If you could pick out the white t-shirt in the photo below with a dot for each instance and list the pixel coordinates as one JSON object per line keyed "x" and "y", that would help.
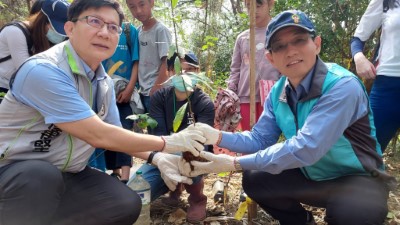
{"x": 389, "y": 51}
{"x": 12, "y": 42}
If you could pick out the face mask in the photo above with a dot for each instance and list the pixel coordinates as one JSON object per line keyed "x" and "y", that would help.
{"x": 177, "y": 82}
{"x": 54, "y": 37}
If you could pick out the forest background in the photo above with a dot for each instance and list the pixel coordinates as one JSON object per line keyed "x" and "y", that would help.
{"x": 210, "y": 27}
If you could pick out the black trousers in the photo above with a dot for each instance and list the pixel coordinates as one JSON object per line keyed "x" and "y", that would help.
{"x": 349, "y": 200}
{"x": 35, "y": 192}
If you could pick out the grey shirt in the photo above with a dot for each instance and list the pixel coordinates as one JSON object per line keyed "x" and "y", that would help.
{"x": 154, "y": 45}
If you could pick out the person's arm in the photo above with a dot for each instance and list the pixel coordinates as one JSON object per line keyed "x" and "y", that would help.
{"x": 163, "y": 40}
{"x": 364, "y": 67}
{"x": 345, "y": 102}
{"x": 236, "y": 64}
{"x": 370, "y": 21}
{"x": 58, "y": 101}
{"x": 103, "y": 135}
{"x": 162, "y": 75}
{"x": 125, "y": 95}
{"x": 17, "y": 45}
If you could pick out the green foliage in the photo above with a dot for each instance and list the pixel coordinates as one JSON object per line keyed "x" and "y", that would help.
{"x": 143, "y": 120}
{"x": 335, "y": 22}
{"x": 179, "y": 117}
{"x": 13, "y": 10}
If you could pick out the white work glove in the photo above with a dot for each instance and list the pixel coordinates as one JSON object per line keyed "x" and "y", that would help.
{"x": 185, "y": 140}
{"x": 168, "y": 165}
{"x": 217, "y": 164}
{"x": 210, "y": 133}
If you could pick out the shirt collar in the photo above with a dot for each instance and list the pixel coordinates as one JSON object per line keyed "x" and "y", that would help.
{"x": 303, "y": 88}
{"x": 78, "y": 66}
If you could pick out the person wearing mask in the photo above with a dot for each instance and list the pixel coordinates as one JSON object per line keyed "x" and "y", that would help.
{"x": 18, "y": 42}
{"x": 165, "y": 104}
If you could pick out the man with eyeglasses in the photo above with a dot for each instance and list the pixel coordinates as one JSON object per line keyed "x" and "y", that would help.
{"x": 60, "y": 106}
{"x": 330, "y": 158}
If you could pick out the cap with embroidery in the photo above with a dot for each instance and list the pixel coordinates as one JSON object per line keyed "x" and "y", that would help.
{"x": 56, "y": 12}
{"x": 285, "y": 19}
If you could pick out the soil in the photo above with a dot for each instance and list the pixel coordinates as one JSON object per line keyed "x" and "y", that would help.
{"x": 224, "y": 213}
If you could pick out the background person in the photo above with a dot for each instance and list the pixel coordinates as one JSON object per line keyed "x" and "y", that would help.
{"x": 239, "y": 78}
{"x": 154, "y": 39}
{"x": 43, "y": 29}
{"x": 385, "y": 91}
{"x": 165, "y": 104}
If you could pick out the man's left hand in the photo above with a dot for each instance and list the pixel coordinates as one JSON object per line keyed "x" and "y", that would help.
{"x": 217, "y": 164}
{"x": 168, "y": 165}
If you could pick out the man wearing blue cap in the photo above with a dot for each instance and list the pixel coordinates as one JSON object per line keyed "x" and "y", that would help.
{"x": 330, "y": 158}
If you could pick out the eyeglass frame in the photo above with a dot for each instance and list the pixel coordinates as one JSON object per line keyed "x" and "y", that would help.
{"x": 310, "y": 36}
{"x": 119, "y": 32}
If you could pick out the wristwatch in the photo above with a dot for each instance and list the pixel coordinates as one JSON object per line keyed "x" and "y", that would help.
{"x": 237, "y": 165}
{"x": 151, "y": 156}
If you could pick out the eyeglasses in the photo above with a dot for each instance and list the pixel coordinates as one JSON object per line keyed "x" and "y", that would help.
{"x": 299, "y": 41}
{"x": 99, "y": 24}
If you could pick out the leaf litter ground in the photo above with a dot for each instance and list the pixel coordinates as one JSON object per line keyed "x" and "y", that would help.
{"x": 219, "y": 213}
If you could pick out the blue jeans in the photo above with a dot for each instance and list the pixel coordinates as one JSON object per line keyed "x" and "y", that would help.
{"x": 146, "y": 102}
{"x": 385, "y": 95}
{"x": 152, "y": 175}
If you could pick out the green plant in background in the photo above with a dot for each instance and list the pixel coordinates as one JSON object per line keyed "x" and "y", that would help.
{"x": 143, "y": 121}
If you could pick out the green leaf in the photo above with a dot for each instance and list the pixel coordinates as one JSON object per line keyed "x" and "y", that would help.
{"x": 177, "y": 65}
{"x": 143, "y": 120}
{"x": 179, "y": 117}
{"x": 171, "y": 51}
{"x": 133, "y": 117}
{"x": 188, "y": 82}
{"x": 174, "y": 3}
{"x": 152, "y": 123}
{"x": 223, "y": 174}
{"x": 142, "y": 124}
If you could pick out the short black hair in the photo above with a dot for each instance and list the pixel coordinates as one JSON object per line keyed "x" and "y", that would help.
{"x": 79, "y": 6}
{"x": 171, "y": 61}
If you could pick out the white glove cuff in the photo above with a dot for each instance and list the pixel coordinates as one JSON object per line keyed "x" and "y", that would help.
{"x": 156, "y": 158}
